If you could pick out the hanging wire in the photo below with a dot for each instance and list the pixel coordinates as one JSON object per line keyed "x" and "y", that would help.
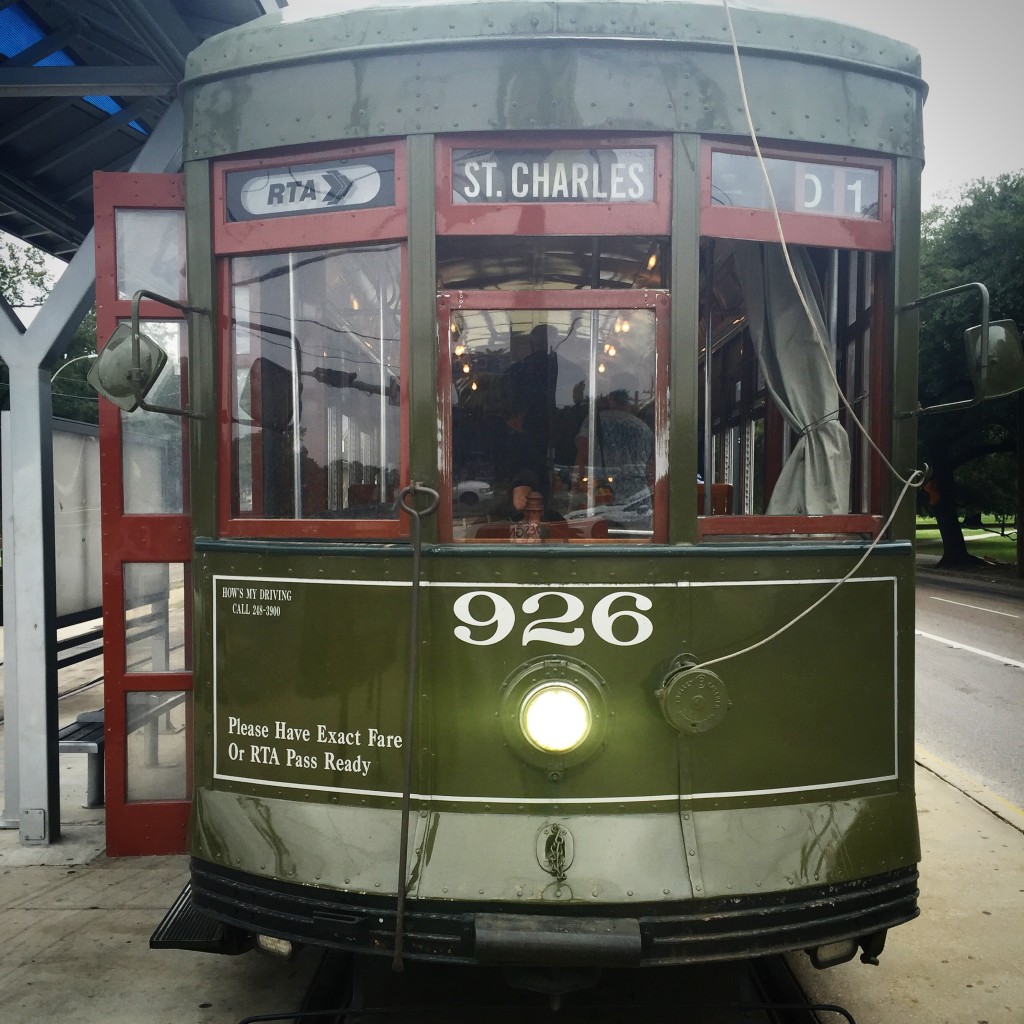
{"x": 915, "y": 479}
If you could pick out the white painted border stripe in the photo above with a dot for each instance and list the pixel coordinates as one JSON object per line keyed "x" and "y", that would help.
{"x": 575, "y": 801}
{"x": 616, "y": 585}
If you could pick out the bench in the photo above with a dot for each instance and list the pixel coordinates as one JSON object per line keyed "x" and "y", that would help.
{"x": 85, "y": 735}
{"x": 81, "y": 647}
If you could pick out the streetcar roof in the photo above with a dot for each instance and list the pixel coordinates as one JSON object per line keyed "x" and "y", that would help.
{"x": 362, "y": 27}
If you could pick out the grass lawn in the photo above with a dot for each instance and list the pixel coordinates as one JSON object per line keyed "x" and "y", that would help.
{"x": 984, "y": 543}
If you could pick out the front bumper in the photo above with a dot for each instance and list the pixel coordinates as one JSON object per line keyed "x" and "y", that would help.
{"x": 652, "y": 934}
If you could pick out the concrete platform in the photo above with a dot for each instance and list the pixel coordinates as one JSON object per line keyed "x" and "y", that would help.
{"x": 75, "y": 925}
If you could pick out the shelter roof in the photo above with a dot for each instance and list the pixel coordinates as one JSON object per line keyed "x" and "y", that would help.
{"x": 83, "y": 83}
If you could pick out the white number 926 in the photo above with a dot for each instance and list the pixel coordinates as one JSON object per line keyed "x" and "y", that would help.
{"x": 623, "y": 627}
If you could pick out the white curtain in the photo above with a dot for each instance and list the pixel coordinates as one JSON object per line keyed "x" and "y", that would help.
{"x": 815, "y": 479}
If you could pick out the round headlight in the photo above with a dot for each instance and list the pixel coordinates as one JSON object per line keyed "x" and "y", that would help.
{"x": 555, "y": 717}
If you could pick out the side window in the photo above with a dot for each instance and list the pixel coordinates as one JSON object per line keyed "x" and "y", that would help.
{"x": 790, "y": 346}
{"x": 781, "y": 441}
{"x": 316, "y": 375}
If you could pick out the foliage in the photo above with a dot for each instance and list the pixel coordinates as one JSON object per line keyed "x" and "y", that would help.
{"x": 978, "y": 238}
{"x": 73, "y": 396}
{"x": 25, "y": 279}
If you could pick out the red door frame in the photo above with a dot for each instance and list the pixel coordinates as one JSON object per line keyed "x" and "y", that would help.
{"x": 151, "y": 827}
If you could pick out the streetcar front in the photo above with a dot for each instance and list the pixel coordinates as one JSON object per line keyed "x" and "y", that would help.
{"x": 552, "y": 587}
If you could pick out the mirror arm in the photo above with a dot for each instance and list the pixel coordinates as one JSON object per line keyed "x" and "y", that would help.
{"x": 135, "y": 373}
{"x": 966, "y": 403}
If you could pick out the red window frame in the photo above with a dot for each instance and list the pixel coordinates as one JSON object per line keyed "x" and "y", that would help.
{"x": 554, "y": 218}
{"x": 553, "y": 299}
{"x": 834, "y": 232}
{"x": 335, "y": 230}
{"x": 140, "y": 826}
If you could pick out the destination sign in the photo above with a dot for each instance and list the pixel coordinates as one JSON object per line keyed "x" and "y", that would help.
{"x": 799, "y": 186}
{"x": 342, "y": 185}
{"x": 600, "y": 175}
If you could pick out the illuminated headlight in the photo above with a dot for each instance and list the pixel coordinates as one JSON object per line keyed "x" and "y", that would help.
{"x": 555, "y": 717}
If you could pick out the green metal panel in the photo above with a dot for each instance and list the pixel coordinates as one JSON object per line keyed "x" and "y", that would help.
{"x": 369, "y": 26}
{"x": 475, "y": 857}
{"x": 666, "y": 66}
{"x": 811, "y": 709}
{"x": 421, "y": 314}
{"x": 683, "y": 367}
{"x": 305, "y": 696}
{"x": 204, "y": 370}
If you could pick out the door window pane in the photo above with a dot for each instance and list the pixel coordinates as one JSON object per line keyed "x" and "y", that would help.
{"x": 155, "y": 594}
{"x": 154, "y": 445}
{"x": 316, "y": 348}
{"x": 155, "y": 749}
{"x": 151, "y": 252}
{"x": 560, "y": 404}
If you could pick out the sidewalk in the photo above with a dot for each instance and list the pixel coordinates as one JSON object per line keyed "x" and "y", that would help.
{"x": 75, "y": 925}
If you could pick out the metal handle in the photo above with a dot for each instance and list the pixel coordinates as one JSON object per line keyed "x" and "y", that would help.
{"x": 416, "y": 515}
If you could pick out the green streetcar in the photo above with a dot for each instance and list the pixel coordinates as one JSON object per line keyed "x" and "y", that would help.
{"x": 552, "y": 589}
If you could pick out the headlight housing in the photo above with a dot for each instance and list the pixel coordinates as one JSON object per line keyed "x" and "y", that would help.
{"x": 554, "y": 713}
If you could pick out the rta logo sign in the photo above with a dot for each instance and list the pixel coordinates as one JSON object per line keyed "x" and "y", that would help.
{"x": 311, "y": 188}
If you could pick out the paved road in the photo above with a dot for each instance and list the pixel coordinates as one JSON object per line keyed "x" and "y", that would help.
{"x": 970, "y": 683}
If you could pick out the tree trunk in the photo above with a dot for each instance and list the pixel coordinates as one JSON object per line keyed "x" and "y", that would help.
{"x": 954, "y": 548}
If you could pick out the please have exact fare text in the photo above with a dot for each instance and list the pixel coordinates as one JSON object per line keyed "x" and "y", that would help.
{"x": 340, "y": 750}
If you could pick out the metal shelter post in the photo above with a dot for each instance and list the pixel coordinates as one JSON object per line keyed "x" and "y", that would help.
{"x": 9, "y": 816}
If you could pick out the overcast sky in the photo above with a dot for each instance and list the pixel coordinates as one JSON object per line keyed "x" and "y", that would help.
{"x": 971, "y": 60}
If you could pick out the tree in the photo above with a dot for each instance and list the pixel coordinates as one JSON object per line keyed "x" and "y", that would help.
{"x": 979, "y": 238}
{"x": 73, "y": 396}
{"x": 26, "y": 278}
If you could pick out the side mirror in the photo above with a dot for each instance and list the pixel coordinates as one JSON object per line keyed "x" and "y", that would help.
{"x": 993, "y": 350}
{"x": 130, "y": 363}
{"x": 118, "y": 378}
{"x": 998, "y": 368}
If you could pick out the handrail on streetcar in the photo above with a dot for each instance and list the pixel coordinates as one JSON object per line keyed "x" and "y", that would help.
{"x": 981, "y": 374}
{"x": 127, "y": 386}
{"x": 416, "y": 515}
{"x": 135, "y": 374}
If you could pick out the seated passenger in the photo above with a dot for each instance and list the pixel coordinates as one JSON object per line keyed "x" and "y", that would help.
{"x": 624, "y": 448}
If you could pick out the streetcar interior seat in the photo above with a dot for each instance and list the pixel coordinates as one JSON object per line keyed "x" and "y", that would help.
{"x": 594, "y": 529}
{"x": 363, "y": 494}
{"x": 721, "y": 499}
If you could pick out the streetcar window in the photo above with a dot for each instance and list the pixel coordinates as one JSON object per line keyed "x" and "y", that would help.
{"x": 315, "y": 342}
{"x": 559, "y": 403}
{"x": 781, "y": 441}
{"x": 552, "y": 262}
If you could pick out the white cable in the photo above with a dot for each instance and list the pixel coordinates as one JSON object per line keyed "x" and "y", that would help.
{"x": 914, "y": 481}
